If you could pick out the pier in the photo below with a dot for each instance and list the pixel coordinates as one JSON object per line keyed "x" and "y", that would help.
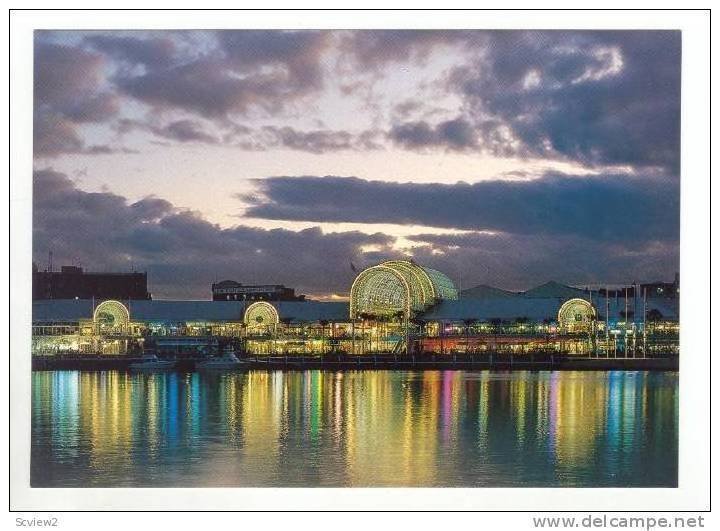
{"x": 486, "y": 361}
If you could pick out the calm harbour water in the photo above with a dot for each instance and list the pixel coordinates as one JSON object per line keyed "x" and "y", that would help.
{"x": 355, "y": 429}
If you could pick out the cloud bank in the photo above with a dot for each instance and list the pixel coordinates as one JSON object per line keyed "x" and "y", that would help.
{"x": 184, "y": 253}
{"x": 597, "y": 98}
{"x": 609, "y": 208}
{"x": 596, "y": 114}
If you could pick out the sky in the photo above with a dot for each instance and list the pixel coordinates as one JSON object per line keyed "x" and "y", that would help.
{"x": 507, "y": 158}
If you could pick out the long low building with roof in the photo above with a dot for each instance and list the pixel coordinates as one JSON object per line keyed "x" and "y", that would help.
{"x": 396, "y": 306}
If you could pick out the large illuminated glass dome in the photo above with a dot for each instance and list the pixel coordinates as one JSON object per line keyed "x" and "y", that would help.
{"x": 398, "y": 287}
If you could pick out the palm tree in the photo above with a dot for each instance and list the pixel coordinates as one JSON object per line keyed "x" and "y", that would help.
{"x": 400, "y": 316}
{"x": 468, "y": 323}
{"x": 286, "y": 323}
{"x": 323, "y": 324}
{"x": 420, "y": 323}
{"x": 364, "y": 317}
{"x": 654, "y": 315}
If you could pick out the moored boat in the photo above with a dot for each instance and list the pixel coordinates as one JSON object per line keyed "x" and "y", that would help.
{"x": 150, "y": 362}
{"x": 227, "y": 361}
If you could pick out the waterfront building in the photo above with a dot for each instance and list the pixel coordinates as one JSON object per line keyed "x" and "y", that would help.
{"x": 71, "y": 282}
{"x": 229, "y": 290}
{"x": 395, "y": 307}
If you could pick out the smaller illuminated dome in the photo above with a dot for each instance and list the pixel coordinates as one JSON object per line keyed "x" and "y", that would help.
{"x": 576, "y": 315}
{"x": 111, "y": 316}
{"x": 261, "y": 315}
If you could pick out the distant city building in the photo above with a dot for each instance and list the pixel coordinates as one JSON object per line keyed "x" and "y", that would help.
{"x": 71, "y": 282}
{"x": 229, "y": 290}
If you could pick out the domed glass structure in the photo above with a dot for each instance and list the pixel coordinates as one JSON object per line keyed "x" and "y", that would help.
{"x": 576, "y": 315}
{"x": 111, "y": 316}
{"x": 260, "y": 316}
{"x": 398, "y": 288}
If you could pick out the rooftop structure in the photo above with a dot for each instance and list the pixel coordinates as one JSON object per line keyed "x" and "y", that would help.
{"x": 71, "y": 282}
{"x": 229, "y": 290}
{"x": 158, "y": 311}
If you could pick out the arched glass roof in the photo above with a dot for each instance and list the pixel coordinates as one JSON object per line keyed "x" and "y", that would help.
{"x": 576, "y": 314}
{"x": 261, "y": 314}
{"x": 111, "y": 314}
{"x": 111, "y": 310}
{"x": 398, "y": 287}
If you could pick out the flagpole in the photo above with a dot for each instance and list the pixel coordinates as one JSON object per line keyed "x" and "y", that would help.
{"x": 607, "y": 323}
{"x": 645, "y": 323}
{"x": 635, "y": 301}
{"x": 625, "y": 323}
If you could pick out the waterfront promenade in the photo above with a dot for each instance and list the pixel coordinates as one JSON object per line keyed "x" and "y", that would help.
{"x": 386, "y": 361}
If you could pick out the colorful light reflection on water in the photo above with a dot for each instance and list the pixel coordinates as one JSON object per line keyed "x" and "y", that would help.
{"x": 355, "y": 429}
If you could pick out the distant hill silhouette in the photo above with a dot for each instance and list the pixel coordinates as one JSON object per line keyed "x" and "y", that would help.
{"x": 484, "y": 291}
{"x": 553, "y": 289}
{"x": 549, "y": 290}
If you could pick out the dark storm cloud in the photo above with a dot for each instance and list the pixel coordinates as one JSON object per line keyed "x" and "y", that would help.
{"x": 151, "y": 52}
{"x": 318, "y": 141}
{"x": 185, "y": 131}
{"x": 592, "y": 97}
{"x": 240, "y": 71}
{"x": 598, "y": 97}
{"x": 373, "y": 49}
{"x": 251, "y": 70}
{"x": 519, "y": 262}
{"x": 182, "y": 252}
{"x": 612, "y": 208}
{"x": 68, "y": 93}
{"x": 55, "y": 135}
{"x": 236, "y": 71}
{"x": 210, "y": 88}
{"x": 181, "y": 131}
{"x": 205, "y": 87}
{"x": 64, "y": 75}
{"x": 298, "y": 51}
{"x": 455, "y": 134}
{"x": 95, "y": 108}
{"x": 315, "y": 141}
